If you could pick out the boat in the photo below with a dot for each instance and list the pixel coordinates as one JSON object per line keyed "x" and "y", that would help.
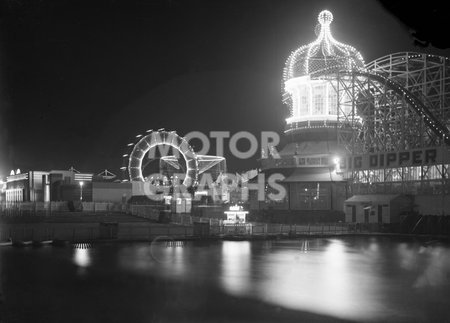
{"x": 21, "y": 243}
{"x": 6, "y": 243}
{"x": 38, "y": 243}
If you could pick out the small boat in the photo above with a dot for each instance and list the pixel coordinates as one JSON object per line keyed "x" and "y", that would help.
{"x": 47, "y": 242}
{"x": 20, "y": 243}
{"x": 6, "y": 243}
{"x": 38, "y": 243}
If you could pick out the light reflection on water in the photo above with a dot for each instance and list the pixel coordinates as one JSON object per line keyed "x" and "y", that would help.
{"x": 235, "y": 269}
{"x": 437, "y": 266}
{"x": 363, "y": 279}
{"x": 82, "y": 257}
{"x": 322, "y": 281}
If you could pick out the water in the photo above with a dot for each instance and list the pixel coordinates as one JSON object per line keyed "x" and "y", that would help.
{"x": 323, "y": 280}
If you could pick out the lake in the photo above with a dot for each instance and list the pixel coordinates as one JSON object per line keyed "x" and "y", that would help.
{"x": 348, "y": 279}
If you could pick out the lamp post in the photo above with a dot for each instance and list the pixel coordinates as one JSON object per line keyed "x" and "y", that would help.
{"x": 81, "y": 191}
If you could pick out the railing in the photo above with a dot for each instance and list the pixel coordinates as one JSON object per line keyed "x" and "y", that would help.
{"x": 146, "y": 231}
{"x": 283, "y": 229}
{"x": 49, "y": 208}
{"x": 76, "y": 232}
{"x": 145, "y": 211}
{"x": 92, "y": 232}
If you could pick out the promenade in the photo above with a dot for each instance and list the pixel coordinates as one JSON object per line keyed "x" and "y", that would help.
{"x": 84, "y": 227}
{"x": 81, "y": 227}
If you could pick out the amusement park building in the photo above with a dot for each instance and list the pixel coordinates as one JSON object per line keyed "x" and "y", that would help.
{"x": 354, "y": 129}
{"x": 46, "y": 186}
{"x": 64, "y": 185}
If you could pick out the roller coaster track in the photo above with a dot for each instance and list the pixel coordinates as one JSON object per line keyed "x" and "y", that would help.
{"x": 438, "y": 128}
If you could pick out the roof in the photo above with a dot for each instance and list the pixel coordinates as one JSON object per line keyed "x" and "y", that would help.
{"x": 313, "y": 175}
{"x": 371, "y": 198}
{"x": 325, "y": 55}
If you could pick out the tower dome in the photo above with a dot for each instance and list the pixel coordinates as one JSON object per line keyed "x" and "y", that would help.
{"x": 325, "y": 55}
{"x": 311, "y": 99}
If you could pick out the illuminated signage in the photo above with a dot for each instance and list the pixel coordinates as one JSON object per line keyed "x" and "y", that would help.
{"x": 417, "y": 157}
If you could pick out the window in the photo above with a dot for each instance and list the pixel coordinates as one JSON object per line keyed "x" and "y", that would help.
{"x": 332, "y": 102}
{"x": 304, "y": 106}
{"x": 318, "y": 96}
{"x": 318, "y": 104}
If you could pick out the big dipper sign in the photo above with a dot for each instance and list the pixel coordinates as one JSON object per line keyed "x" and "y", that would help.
{"x": 417, "y": 157}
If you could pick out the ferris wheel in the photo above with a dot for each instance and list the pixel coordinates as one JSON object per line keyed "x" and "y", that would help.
{"x": 139, "y": 154}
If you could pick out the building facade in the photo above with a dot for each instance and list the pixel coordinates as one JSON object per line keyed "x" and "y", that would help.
{"x": 46, "y": 186}
{"x": 359, "y": 132}
{"x": 310, "y": 159}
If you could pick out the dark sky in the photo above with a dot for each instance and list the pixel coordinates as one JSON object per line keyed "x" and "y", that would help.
{"x": 79, "y": 79}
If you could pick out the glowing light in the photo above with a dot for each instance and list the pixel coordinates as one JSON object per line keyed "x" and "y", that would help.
{"x": 325, "y": 17}
{"x": 235, "y": 275}
{"x": 291, "y": 282}
{"x": 82, "y": 257}
{"x": 323, "y": 56}
{"x": 81, "y": 190}
{"x": 235, "y": 215}
{"x": 324, "y": 52}
{"x": 162, "y": 138}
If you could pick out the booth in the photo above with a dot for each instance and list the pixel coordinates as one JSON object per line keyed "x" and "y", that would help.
{"x": 235, "y": 215}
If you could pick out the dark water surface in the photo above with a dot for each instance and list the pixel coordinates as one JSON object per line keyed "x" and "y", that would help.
{"x": 360, "y": 279}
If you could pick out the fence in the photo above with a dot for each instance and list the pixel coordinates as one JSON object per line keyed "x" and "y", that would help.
{"x": 77, "y": 232}
{"x": 146, "y": 211}
{"x": 48, "y": 208}
{"x": 256, "y": 229}
{"x": 95, "y": 232}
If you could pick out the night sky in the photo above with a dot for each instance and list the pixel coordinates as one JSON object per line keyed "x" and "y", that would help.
{"x": 80, "y": 79}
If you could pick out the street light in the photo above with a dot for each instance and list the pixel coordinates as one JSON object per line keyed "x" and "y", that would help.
{"x": 81, "y": 191}
{"x": 337, "y": 164}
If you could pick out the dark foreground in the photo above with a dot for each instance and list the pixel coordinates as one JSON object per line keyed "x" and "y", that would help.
{"x": 355, "y": 279}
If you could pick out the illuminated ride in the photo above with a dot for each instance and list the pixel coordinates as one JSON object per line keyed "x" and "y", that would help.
{"x": 324, "y": 80}
{"x": 211, "y": 170}
{"x": 180, "y": 163}
{"x": 397, "y": 102}
{"x": 135, "y": 159}
{"x": 370, "y": 125}
{"x": 397, "y": 107}
{"x": 214, "y": 165}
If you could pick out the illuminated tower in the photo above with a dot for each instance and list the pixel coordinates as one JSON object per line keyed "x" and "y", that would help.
{"x": 312, "y": 99}
{"x": 310, "y": 159}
